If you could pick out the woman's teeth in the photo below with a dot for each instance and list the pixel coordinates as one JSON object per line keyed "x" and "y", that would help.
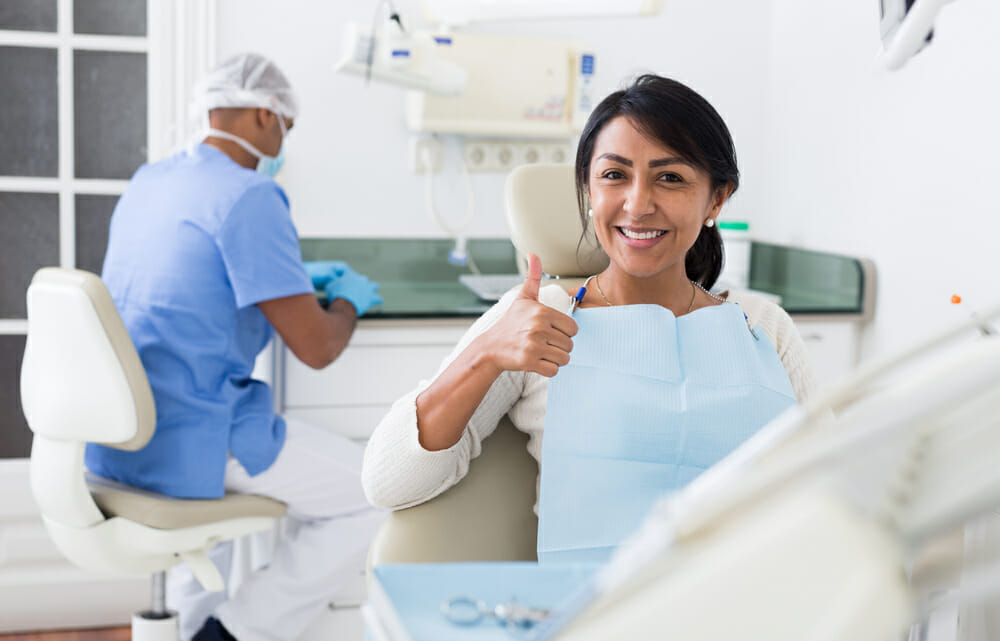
{"x": 641, "y": 235}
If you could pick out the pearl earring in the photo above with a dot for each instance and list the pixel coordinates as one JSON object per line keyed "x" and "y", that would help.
{"x": 710, "y": 222}
{"x": 590, "y": 213}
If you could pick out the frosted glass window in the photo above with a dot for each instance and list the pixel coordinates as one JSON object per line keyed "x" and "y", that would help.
{"x": 15, "y": 437}
{"x": 93, "y": 214}
{"x": 29, "y": 125}
{"x": 110, "y": 17}
{"x": 109, "y": 90}
{"x": 29, "y": 238}
{"x": 28, "y": 15}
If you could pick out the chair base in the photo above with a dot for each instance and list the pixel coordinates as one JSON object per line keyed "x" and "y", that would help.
{"x": 150, "y": 626}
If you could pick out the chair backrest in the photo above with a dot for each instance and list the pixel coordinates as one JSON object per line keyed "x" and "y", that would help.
{"x": 488, "y": 516}
{"x": 543, "y": 218}
{"x": 81, "y": 381}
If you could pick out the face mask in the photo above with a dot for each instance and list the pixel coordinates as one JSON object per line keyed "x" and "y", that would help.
{"x": 271, "y": 165}
{"x": 267, "y": 165}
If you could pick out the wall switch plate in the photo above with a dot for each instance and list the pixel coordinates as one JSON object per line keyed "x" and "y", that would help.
{"x": 422, "y": 147}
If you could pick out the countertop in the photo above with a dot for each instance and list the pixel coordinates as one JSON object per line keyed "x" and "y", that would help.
{"x": 417, "y": 281}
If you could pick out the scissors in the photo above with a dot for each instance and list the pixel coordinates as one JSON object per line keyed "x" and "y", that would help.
{"x": 467, "y": 610}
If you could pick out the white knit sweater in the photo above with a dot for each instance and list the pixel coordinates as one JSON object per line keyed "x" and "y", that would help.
{"x": 398, "y": 472}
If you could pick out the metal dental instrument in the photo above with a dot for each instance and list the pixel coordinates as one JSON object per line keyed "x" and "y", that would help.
{"x": 467, "y": 610}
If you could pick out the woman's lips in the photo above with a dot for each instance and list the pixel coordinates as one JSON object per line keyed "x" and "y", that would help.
{"x": 639, "y": 237}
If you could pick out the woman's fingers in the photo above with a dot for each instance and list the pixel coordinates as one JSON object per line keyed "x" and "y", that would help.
{"x": 560, "y": 341}
{"x": 533, "y": 281}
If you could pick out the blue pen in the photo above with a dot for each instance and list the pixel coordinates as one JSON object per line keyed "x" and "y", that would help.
{"x": 580, "y": 293}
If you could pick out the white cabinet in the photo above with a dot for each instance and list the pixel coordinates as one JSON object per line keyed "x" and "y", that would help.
{"x": 384, "y": 360}
{"x": 832, "y": 346}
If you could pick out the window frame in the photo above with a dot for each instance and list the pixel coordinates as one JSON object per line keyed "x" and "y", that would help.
{"x": 180, "y": 43}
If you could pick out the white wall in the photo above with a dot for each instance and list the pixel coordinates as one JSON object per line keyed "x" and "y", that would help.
{"x": 347, "y": 170}
{"x": 837, "y": 153}
{"x": 900, "y": 166}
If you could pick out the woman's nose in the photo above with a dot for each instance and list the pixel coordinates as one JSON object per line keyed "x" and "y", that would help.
{"x": 639, "y": 199}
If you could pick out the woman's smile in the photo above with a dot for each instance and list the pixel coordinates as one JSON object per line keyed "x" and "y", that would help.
{"x": 640, "y": 237}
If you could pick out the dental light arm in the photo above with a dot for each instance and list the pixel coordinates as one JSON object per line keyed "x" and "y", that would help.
{"x": 406, "y": 59}
{"x": 907, "y": 27}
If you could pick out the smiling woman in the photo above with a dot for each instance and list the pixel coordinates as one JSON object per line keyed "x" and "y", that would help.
{"x": 657, "y": 377}
{"x": 657, "y": 163}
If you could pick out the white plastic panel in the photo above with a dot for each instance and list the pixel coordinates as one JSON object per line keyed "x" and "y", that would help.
{"x": 69, "y": 357}
{"x": 517, "y": 86}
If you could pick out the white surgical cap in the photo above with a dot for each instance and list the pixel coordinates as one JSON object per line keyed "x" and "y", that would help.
{"x": 246, "y": 80}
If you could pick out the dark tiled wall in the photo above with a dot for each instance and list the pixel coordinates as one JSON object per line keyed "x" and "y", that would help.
{"x": 109, "y": 113}
{"x": 28, "y": 15}
{"x": 15, "y": 437}
{"x": 93, "y": 215}
{"x": 110, "y": 17}
{"x": 29, "y": 238}
{"x": 29, "y": 116}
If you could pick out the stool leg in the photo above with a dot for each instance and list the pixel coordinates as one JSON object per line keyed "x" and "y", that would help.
{"x": 158, "y": 590}
{"x": 157, "y": 623}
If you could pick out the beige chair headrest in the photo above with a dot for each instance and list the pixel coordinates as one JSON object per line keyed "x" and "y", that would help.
{"x": 543, "y": 219}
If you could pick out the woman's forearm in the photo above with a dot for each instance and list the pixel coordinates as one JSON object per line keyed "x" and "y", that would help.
{"x": 448, "y": 403}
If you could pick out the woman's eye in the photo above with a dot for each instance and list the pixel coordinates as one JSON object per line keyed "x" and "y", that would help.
{"x": 613, "y": 174}
{"x": 671, "y": 178}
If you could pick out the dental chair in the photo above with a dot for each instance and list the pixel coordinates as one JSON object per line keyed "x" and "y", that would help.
{"x": 489, "y": 515}
{"x": 82, "y": 381}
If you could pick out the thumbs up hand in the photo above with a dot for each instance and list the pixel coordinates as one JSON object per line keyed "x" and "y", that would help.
{"x": 530, "y": 336}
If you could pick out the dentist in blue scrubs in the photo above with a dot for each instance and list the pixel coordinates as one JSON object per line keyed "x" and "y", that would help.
{"x": 204, "y": 266}
{"x": 631, "y": 387}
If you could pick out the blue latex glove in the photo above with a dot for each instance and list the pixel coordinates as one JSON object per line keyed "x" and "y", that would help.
{"x": 355, "y": 288}
{"x": 323, "y": 271}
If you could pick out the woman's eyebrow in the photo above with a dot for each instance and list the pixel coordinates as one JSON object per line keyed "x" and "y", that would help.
{"x": 673, "y": 160}
{"x": 615, "y": 158}
{"x": 659, "y": 162}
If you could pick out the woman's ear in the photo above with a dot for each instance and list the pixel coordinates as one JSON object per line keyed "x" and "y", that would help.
{"x": 720, "y": 197}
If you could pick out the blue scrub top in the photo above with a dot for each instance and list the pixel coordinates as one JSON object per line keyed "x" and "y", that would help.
{"x": 196, "y": 241}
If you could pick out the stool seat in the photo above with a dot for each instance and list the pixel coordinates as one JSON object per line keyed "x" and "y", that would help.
{"x": 163, "y": 512}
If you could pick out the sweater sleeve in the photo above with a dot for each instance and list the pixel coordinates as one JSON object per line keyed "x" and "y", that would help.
{"x": 398, "y": 472}
{"x": 781, "y": 330}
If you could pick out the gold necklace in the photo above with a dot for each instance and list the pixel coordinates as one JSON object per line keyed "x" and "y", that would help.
{"x": 600, "y": 291}
{"x": 694, "y": 289}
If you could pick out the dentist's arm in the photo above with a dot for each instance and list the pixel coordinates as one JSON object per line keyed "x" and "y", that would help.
{"x": 530, "y": 337}
{"x": 316, "y": 336}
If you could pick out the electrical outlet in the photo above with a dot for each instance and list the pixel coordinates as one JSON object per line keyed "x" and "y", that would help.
{"x": 531, "y": 154}
{"x": 423, "y": 148}
{"x": 504, "y": 156}
{"x": 476, "y": 154}
{"x": 558, "y": 152}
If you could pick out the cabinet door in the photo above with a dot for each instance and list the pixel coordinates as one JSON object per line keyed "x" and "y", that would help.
{"x": 832, "y": 347}
{"x": 383, "y": 361}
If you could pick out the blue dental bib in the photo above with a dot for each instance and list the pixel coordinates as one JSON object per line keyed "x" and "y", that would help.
{"x": 647, "y": 402}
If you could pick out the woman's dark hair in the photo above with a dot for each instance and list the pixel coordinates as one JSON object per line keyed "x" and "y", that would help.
{"x": 679, "y": 118}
